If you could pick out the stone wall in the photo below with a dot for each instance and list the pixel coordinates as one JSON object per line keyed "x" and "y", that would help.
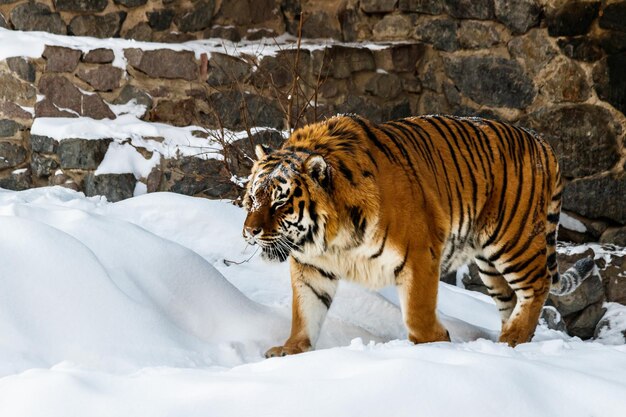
{"x": 554, "y": 66}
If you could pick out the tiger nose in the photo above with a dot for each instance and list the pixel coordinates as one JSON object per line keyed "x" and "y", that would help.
{"x": 253, "y": 231}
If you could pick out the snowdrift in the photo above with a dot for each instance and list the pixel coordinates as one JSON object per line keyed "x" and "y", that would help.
{"x": 154, "y": 306}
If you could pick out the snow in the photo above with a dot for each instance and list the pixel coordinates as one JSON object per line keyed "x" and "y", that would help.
{"x": 570, "y": 223}
{"x": 129, "y": 308}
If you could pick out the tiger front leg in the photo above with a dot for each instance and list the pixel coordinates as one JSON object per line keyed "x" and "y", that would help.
{"x": 417, "y": 283}
{"x": 313, "y": 293}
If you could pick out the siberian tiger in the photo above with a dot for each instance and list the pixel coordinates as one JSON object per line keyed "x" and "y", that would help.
{"x": 400, "y": 203}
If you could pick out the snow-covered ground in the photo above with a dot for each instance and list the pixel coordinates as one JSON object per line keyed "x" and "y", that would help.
{"x": 154, "y": 306}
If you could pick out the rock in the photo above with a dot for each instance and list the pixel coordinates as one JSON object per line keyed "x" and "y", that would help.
{"x": 61, "y": 59}
{"x": 491, "y": 81}
{"x": 205, "y": 177}
{"x": 223, "y": 32}
{"x": 256, "y": 34}
{"x": 14, "y": 90}
{"x": 37, "y": 16}
{"x": 342, "y": 61}
{"x": 584, "y": 324}
{"x": 62, "y": 94}
{"x": 140, "y": 32}
{"x": 583, "y": 136}
{"x": 615, "y": 279}
{"x": 393, "y": 27}
{"x": 105, "y": 26}
{"x": 387, "y": 86}
{"x": 82, "y": 153}
{"x": 533, "y": 49}
{"x": 23, "y": 68}
{"x": 3, "y": 22}
{"x": 8, "y": 128}
{"x": 581, "y": 48}
{"x": 46, "y": 108}
{"x": 378, "y": 6}
{"x": 102, "y": 78}
{"x": 572, "y": 18}
{"x": 131, "y": 3}
{"x": 175, "y": 112}
{"x": 231, "y": 106}
{"x": 160, "y": 19}
{"x": 400, "y": 58}
{"x": 441, "y": 33}
{"x": 471, "y": 281}
{"x": 130, "y": 92}
{"x": 164, "y": 63}
{"x": 616, "y": 236}
{"x": 80, "y": 5}
{"x": 470, "y": 9}
{"x": 596, "y": 197}
{"x": 613, "y": 327}
{"x": 590, "y": 291}
{"x": 246, "y": 12}
{"x": 115, "y": 187}
{"x": 42, "y": 166}
{"x": 552, "y": 318}
{"x": 321, "y": 25}
{"x": 614, "y": 16}
{"x": 43, "y": 144}
{"x": 518, "y": 16}
{"x": 12, "y": 155}
{"x": 476, "y": 35}
{"x": 578, "y": 229}
{"x": 13, "y": 111}
{"x": 173, "y": 37}
{"x": 154, "y": 180}
{"x": 566, "y": 81}
{"x": 240, "y": 154}
{"x": 99, "y": 56}
{"x": 363, "y": 106}
{"x": 196, "y": 19}
{"x": 225, "y": 69}
{"x": 610, "y": 80}
{"x": 278, "y": 70}
{"x": 613, "y": 42}
{"x": 18, "y": 180}
{"x": 422, "y": 6}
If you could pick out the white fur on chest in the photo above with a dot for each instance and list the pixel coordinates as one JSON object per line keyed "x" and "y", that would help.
{"x": 358, "y": 264}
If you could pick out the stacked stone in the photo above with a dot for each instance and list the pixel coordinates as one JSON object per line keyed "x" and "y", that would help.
{"x": 171, "y": 21}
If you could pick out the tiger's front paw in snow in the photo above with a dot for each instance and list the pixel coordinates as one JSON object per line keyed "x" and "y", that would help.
{"x": 287, "y": 350}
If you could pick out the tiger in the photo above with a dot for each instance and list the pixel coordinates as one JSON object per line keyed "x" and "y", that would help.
{"x": 403, "y": 202}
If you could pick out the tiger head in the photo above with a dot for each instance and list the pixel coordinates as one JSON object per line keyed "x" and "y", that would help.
{"x": 285, "y": 197}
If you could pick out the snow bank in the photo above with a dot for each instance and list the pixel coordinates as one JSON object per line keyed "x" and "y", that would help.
{"x": 130, "y": 309}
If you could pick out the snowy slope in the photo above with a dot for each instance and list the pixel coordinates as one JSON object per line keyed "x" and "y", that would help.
{"x": 129, "y": 309}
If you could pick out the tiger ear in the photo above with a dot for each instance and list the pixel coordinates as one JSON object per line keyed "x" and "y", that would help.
{"x": 316, "y": 167}
{"x": 262, "y": 151}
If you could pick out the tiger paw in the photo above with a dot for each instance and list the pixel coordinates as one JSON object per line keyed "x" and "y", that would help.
{"x": 286, "y": 350}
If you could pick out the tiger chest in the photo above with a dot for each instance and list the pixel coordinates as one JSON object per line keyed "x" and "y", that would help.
{"x": 359, "y": 265}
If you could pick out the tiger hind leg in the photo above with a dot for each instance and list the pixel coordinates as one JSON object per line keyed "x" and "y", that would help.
{"x": 502, "y": 294}
{"x": 531, "y": 286}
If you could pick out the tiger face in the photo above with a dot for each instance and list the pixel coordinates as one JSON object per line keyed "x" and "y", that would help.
{"x": 282, "y": 215}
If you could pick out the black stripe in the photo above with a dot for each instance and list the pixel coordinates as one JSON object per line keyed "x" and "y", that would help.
{"x": 553, "y": 218}
{"x": 372, "y": 137}
{"x": 382, "y": 246}
{"x": 359, "y": 222}
{"x": 346, "y": 172}
{"x": 322, "y": 296}
{"x": 551, "y": 238}
{"x": 400, "y": 267}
